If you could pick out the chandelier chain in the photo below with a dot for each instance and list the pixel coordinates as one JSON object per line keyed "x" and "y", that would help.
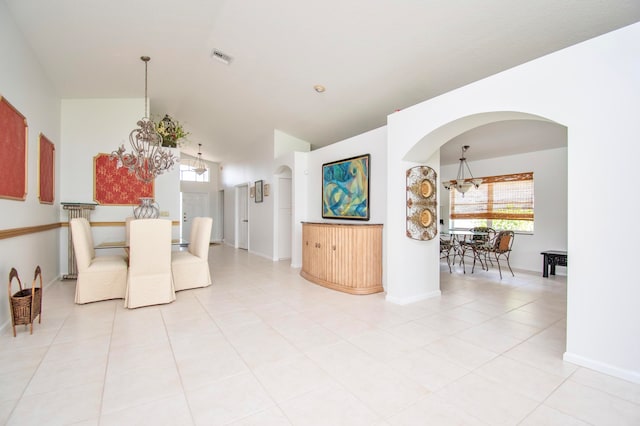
{"x": 147, "y": 159}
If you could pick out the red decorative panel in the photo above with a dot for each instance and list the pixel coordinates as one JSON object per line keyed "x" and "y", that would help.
{"x": 117, "y": 187}
{"x": 46, "y": 173}
{"x": 13, "y": 146}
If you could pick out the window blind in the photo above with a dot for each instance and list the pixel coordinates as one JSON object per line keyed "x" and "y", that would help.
{"x": 498, "y": 197}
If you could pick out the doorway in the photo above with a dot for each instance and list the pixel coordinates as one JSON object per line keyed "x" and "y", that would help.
{"x": 242, "y": 217}
{"x": 193, "y": 204}
{"x": 284, "y": 218}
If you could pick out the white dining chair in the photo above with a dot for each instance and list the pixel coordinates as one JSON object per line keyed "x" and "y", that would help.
{"x": 99, "y": 277}
{"x": 190, "y": 268}
{"x": 149, "y": 280}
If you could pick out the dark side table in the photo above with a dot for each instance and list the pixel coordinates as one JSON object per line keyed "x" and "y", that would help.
{"x": 551, "y": 259}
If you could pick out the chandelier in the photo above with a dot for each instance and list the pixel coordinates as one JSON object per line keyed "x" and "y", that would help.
{"x": 462, "y": 184}
{"x": 200, "y": 167}
{"x": 147, "y": 159}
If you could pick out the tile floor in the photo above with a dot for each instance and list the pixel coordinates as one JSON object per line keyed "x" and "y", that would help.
{"x": 262, "y": 346}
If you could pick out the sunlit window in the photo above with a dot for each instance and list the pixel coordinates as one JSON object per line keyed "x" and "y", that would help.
{"x": 188, "y": 175}
{"x": 502, "y": 203}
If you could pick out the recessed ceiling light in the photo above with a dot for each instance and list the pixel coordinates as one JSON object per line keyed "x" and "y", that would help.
{"x": 319, "y": 88}
{"x": 221, "y": 56}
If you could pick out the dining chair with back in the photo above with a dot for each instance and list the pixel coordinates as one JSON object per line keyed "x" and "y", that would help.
{"x": 477, "y": 244}
{"x": 190, "y": 267}
{"x": 149, "y": 281}
{"x": 501, "y": 249}
{"x": 99, "y": 277}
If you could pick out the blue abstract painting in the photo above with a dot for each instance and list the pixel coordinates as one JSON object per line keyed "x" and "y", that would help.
{"x": 345, "y": 188}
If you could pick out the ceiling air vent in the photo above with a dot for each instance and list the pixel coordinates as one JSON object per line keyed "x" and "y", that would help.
{"x": 221, "y": 56}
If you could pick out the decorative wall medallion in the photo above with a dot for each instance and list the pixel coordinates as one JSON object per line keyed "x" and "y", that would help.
{"x": 422, "y": 202}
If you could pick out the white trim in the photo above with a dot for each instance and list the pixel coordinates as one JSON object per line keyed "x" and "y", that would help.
{"x": 266, "y": 256}
{"x": 412, "y": 299}
{"x": 629, "y": 375}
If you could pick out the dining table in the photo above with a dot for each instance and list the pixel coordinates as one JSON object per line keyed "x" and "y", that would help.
{"x": 460, "y": 241}
{"x": 123, "y": 244}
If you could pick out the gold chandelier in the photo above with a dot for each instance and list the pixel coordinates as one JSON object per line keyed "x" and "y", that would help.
{"x": 462, "y": 184}
{"x": 147, "y": 159}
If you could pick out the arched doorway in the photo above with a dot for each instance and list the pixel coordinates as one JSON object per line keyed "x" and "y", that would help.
{"x": 422, "y": 279}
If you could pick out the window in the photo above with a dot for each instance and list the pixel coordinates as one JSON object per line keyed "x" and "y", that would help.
{"x": 187, "y": 174}
{"x": 501, "y": 202}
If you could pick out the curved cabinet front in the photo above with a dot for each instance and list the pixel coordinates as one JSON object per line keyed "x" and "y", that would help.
{"x": 343, "y": 257}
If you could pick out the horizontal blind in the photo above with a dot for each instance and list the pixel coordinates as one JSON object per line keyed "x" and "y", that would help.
{"x": 498, "y": 197}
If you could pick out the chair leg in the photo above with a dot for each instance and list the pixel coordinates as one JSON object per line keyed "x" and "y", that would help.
{"x": 509, "y": 265}
{"x": 498, "y": 262}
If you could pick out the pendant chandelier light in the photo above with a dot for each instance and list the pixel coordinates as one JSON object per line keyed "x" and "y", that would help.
{"x": 462, "y": 184}
{"x": 147, "y": 159}
{"x": 200, "y": 167}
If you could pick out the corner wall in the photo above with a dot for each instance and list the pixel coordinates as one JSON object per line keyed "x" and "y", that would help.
{"x": 25, "y": 85}
{"x": 593, "y": 89}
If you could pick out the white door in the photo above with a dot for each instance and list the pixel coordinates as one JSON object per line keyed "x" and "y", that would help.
{"x": 219, "y": 226}
{"x": 242, "y": 201}
{"x": 194, "y": 204}
{"x": 284, "y": 218}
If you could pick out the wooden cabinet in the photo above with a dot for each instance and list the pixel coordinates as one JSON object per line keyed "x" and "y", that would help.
{"x": 343, "y": 257}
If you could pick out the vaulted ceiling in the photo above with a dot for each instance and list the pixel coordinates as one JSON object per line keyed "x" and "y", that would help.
{"x": 372, "y": 56}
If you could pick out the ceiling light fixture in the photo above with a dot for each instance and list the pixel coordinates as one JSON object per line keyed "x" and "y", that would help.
{"x": 319, "y": 88}
{"x": 147, "y": 159}
{"x": 200, "y": 167}
{"x": 462, "y": 184}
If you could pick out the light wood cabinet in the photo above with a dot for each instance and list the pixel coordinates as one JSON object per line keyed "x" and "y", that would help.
{"x": 343, "y": 257}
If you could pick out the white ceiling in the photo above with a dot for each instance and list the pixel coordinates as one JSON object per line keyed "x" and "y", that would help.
{"x": 373, "y": 56}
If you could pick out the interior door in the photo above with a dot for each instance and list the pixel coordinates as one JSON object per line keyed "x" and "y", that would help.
{"x": 194, "y": 204}
{"x": 243, "y": 217}
{"x": 284, "y": 218}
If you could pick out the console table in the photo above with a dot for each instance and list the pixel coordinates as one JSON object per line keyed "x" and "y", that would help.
{"x": 551, "y": 259}
{"x": 343, "y": 257}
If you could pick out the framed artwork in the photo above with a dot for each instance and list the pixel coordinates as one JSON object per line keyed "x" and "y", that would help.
{"x": 252, "y": 191}
{"x": 259, "y": 192}
{"x": 116, "y": 186}
{"x": 46, "y": 170}
{"x": 13, "y": 145}
{"x": 345, "y": 188}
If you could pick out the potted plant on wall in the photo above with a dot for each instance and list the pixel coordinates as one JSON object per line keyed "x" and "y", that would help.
{"x": 172, "y": 132}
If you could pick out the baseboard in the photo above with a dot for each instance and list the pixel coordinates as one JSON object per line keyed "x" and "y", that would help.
{"x": 261, "y": 255}
{"x": 412, "y": 299}
{"x": 628, "y": 375}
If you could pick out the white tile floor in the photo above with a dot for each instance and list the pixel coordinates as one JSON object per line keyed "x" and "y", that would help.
{"x": 262, "y": 346}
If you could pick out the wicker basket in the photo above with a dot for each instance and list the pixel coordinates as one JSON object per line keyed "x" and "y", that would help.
{"x": 25, "y": 304}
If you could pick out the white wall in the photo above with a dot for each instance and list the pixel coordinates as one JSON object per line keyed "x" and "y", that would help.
{"x": 93, "y": 126}
{"x": 593, "y": 89}
{"x": 211, "y": 188}
{"x": 256, "y": 165}
{"x": 284, "y": 144}
{"x": 24, "y": 84}
{"x": 297, "y": 162}
{"x": 307, "y": 185}
{"x": 549, "y": 169}
{"x": 373, "y": 142}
